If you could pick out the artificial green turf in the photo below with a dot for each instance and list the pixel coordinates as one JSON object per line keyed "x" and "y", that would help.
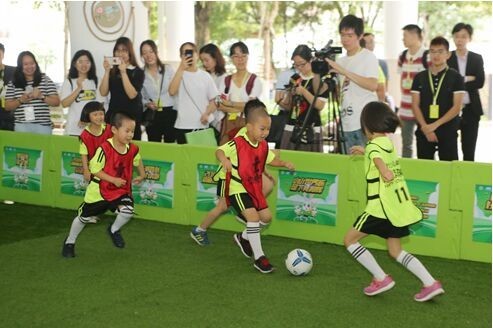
{"x": 163, "y": 279}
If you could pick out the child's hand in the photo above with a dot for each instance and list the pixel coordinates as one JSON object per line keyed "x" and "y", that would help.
{"x": 138, "y": 180}
{"x": 119, "y": 182}
{"x": 289, "y": 166}
{"x": 357, "y": 150}
{"x": 87, "y": 175}
{"x": 227, "y": 166}
{"x": 387, "y": 175}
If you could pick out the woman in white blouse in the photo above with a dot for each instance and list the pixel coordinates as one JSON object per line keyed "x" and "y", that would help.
{"x": 155, "y": 95}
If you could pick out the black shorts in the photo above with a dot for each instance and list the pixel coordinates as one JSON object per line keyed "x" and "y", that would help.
{"x": 242, "y": 201}
{"x": 93, "y": 209}
{"x": 371, "y": 225}
{"x": 221, "y": 188}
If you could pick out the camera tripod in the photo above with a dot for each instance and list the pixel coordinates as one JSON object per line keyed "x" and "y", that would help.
{"x": 335, "y": 137}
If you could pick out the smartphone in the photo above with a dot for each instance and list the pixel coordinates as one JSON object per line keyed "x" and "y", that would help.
{"x": 114, "y": 60}
{"x": 28, "y": 89}
{"x": 189, "y": 53}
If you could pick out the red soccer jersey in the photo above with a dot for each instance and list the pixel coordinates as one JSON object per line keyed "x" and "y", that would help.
{"x": 92, "y": 142}
{"x": 120, "y": 166}
{"x": 251, "y": 166}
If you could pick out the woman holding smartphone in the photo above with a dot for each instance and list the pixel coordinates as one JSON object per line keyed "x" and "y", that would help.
{"x": 123, "y": 79}
{"x": 30, "y": 94}
{"x": 155, "y": 94}
{"x": 195, "y": 91}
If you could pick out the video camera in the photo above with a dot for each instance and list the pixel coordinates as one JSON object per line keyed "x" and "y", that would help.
{"x": 319, "y": 65}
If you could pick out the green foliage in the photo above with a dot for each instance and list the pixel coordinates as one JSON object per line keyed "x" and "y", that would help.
{"x": 441, "y": 16}
{"x": 153, "y": 20}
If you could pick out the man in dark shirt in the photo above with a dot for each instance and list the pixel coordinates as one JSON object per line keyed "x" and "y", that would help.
{"x": 436, "y": 102}
{"x": 6, "y": 75}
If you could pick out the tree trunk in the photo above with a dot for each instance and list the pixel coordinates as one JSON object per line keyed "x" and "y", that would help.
{"x": 202, "y": 31}
{"x": 269, "y": 13}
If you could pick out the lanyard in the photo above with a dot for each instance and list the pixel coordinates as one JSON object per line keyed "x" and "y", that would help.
{"x": 155, "y": 82}
{"x": 432, "y": 86}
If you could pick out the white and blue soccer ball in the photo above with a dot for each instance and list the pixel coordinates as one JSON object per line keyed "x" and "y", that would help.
{"x": 299, "y": 262}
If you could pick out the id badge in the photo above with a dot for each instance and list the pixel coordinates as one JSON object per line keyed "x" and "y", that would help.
{"x": 407, "y": 83}
{"x": 2, "y": 102}
{"x": 159, "y": 105}
{"x": 29, "y": 113}
{"x": 434, "y": 111}
{"x": 232, "y": 116}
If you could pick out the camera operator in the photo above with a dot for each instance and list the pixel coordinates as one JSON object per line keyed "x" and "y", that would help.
{"x": 298, "y": 100}
{"x": 358, "y": 77}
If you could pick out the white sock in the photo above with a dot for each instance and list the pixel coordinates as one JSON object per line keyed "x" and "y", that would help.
{"x": 416, "y": 267}
{"x": 264, "y": 225}
{"x": 253, "y": 232}
{"x": 77, "y": 225}
{"x": 200, "y": 229}
{"x": 366, "y": 259}
{"x": 120, "y": 221}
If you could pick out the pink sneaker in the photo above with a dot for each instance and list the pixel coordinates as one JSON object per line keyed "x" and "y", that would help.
{"x": 427, "y": 293}
{"x": 376, "y": 287}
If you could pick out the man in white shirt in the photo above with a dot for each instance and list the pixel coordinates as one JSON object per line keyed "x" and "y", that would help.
{"x": 358, "y": 77}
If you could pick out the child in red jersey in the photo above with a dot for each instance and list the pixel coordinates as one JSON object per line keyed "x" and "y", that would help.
{"x": 111, "y": 185}
{"x": 244, "y": 159}
{"x": 93, "y": 135}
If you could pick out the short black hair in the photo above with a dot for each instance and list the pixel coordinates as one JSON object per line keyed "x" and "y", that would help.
{"x": 413, "y": 28}
{"x": 119, "y": 117}
{"x": 243, "y": 48}
{"x": 2, "y": 48}
{"x": 352, "y": 22}
{"x": 92, "y": 106}
{"x": 253, "y": 109}
{"x": 463, "y": 26}
{"x": 377, "y": 117}
{"x": 303, "y": 51}
{"x": 440, "y": 41}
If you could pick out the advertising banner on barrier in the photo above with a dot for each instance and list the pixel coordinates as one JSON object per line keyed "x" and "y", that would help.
{"x": 481, "y": 229}
{"x": 22, "y": 168}
{"x": 72, "y": 178}
{"x": 157, "y": 188}
{"x": 308, "y": 197}
{"x": 206, "y": 187}
{"x": 425, "y": 196}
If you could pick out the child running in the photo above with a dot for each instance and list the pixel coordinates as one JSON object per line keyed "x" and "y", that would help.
{"x": 199, "y": 233}
{"x": 111, "y": 185}
{"x": 92, "y": 137}
{"x": 390, "y": 209}
{"x": 244, "y": 159}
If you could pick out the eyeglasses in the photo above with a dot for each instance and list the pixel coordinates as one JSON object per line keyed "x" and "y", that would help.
{"x": 438, "y": 52}
{"x": 300, "y": 65}
{"x": 239, "y": 56}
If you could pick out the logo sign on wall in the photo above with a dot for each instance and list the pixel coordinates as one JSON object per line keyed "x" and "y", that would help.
{"x": 307, "y": 197}
{"x": 108, "y": 20}
{"x": 22, "y": 168}
{"x": 72, "y": 179}
{"x": 157, "y": 188}
{"x": 206, "y": 187}
{"x": 481, "y": 229}
{"x": 425, "y": 196}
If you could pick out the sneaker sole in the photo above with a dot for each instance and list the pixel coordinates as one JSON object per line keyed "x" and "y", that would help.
{"x": 431, "y": 295}
{"x": 235, "y": 238}
{"x": 261, "y": 270}
{"x": 381, "y": 290}
{"x": 196, "y": 240}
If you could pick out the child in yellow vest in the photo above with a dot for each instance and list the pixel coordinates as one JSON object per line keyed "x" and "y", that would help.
{"x": 389, "y": 211}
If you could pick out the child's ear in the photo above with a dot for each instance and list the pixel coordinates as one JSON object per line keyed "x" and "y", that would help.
{"x": 114, "y": 129}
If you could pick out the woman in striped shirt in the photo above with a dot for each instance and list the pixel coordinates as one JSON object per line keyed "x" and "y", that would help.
{"x": 29, "y": 95}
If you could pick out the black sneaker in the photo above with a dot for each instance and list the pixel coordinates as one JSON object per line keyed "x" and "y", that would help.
{"x": 68, "y": 250}
{"x": 116, "y": 237}
{"x": 243, "y": 244}
{"x": 263, "y": 265}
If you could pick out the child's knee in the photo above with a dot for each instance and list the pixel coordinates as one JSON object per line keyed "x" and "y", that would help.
{"x": 394, "y": 253}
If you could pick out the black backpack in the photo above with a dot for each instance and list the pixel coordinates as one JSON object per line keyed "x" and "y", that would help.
{"x": 424, "y": 59}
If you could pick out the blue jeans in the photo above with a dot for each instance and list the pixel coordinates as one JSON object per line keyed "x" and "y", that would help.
{"x": 354, "y": 138}
{"x": 407, "y": 134}
{"x": 33, "y": 128}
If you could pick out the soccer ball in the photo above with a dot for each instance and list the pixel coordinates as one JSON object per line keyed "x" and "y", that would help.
{"x": 299, "y": 262}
